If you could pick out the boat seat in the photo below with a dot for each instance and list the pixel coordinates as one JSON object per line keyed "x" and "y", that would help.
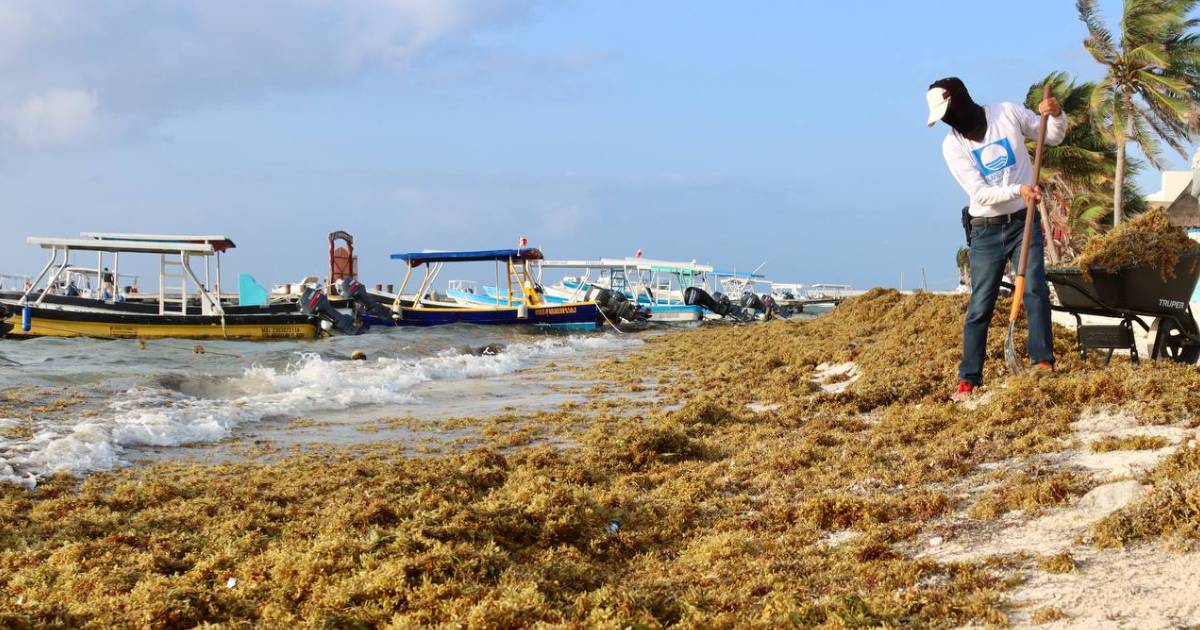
{"x": 250, "y": 292}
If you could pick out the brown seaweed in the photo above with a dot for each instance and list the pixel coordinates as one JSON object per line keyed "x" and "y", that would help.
{"x": 1147, "y": 239}
{"x": 690, "y": 510}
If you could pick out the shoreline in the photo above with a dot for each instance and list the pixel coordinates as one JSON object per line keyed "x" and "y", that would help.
{"x": 801, "y": 473}
{"x": 277, "y": 399}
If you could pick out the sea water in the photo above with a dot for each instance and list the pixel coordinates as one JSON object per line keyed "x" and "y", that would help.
{"x": 170, "y": 397}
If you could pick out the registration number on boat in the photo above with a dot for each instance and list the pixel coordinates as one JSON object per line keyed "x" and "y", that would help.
{"x": 565, "y": 310}
{"x": 283, "y": 332}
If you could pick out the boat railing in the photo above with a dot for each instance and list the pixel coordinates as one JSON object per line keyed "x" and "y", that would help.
{"x": 515, "y": 261}
{"x": 174, "y": 264}
{"x": 464, "y": 286}
{"x": 823, "y": 290}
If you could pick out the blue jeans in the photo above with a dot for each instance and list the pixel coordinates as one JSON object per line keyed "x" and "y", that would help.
{"x": 991, "y": 247}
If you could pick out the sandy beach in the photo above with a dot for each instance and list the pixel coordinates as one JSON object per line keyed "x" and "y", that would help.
{"x": 509, "y": 314}
{"x": 787, "y": 474}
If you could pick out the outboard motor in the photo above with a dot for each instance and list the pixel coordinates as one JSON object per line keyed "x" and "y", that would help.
{"x": 770, "y": 307}
{"x": 355, "y": 290}
{"x": 718, "y": 303}
{"x": 618, "y": 308}
{"x": 733, "y": 309}
{"x": 738, "y": 313}
{"x": 695, "y": 296}
{"x": 313, "y": 302}
{"x": 751, "y": 301}
{"x": 4, "y": 325}
{"x": 727, "y": 307}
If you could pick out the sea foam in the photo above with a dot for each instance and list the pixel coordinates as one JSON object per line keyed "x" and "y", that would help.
{"x": 198, "y": 409}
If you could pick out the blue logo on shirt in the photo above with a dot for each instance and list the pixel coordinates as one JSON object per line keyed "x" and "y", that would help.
{"x": 994, "y": 157}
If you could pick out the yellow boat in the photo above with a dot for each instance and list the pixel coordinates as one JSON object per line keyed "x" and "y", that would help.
{"x": 187, "y": 310}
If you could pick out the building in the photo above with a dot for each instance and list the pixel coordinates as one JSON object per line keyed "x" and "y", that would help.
{"x": 1182, "y": 206}
{"x": 1176, "y": 196}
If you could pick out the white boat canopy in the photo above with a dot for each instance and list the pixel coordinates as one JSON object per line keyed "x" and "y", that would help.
{"x": 219, "y": 242}
{"x": 117, "y": 246}
{"x": 643, "y": 264}
{"x": 174, "y": 253}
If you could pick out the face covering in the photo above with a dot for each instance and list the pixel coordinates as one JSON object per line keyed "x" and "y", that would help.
{"x": 963, "y": 115}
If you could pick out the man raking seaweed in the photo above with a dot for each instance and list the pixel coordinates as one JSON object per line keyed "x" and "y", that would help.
{"x": 985, "y": 150}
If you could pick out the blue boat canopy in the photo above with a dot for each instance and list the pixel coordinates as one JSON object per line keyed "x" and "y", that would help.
{"x": 415, "y": 259}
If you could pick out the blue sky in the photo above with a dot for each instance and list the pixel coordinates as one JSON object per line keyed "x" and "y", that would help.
{"x": 732, "y": 133}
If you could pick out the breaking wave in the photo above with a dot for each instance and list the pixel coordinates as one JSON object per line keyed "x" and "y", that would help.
{"x": 177, "y": 410}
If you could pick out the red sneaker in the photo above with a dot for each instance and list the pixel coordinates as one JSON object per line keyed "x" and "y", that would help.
{"x": 965, "y": 389}
{"x": 1045, "y": 365}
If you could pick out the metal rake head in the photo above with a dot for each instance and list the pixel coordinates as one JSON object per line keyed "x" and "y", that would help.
{"x": 1014, "y": 362}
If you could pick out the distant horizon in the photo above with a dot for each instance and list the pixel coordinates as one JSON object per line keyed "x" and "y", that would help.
{"x": 688, "y": 130}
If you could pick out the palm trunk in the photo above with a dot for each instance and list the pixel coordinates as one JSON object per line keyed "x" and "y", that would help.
{"x": 1048, "y": 232}
{"x": 1119, "y": 182}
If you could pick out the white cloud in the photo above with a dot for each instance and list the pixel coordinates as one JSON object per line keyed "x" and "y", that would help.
{"x": 152, "y": 59}
{"x": 54, "y": 118}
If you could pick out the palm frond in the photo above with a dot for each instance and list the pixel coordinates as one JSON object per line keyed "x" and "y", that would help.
{"x": 1100, "y": 40}
{"x": 1140, "y": 134}
{"x": 1145, "y": 21}
{"x": 1167, "y": 129}
{"x": 1103, "y": 107}
{"x": 1164, "y": 84}
{"x": 1149, "y": 55}
{"x": 1060, "y": 87}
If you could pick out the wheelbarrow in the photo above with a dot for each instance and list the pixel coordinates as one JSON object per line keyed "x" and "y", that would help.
{"x": 1133, "y": 294}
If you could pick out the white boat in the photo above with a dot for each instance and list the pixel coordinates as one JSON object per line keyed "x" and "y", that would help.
{"x": 735, "y": 283}
{"x": 785, "y": 292}
{"x": 826, "y": 291}
{"x": 54, "y": 304}
{"x": 655, "y": 285}
{"x": 10, "y": 282}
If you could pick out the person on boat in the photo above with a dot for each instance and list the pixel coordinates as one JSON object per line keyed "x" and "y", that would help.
{"x": 985, "y": 150}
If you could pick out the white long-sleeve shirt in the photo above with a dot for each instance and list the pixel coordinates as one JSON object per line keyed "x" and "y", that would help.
{"x": 993, "y": 171}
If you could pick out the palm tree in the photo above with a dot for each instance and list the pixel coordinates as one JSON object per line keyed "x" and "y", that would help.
{"x": 1084, "y": 219}
{"x": 1077, "y": 164}
{"x": 1078, "y": 175}
{"x": 1151, "y": 88}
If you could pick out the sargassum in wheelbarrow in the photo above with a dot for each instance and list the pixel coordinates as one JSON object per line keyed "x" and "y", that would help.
{"x": 1148, "y": 239}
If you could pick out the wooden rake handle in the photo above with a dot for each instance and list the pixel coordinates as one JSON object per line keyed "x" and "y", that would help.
{"x": 1030, "y": 213}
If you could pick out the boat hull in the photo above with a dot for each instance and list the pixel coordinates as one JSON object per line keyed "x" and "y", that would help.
{"x": 663, "y": 311}
{"x": 673, "y": 314}
{"x": 581, "y": 316}
{"x": 48, "y": 322}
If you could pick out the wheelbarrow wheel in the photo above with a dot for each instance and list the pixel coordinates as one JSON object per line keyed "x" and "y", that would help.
{"x": 1172, "y": 342}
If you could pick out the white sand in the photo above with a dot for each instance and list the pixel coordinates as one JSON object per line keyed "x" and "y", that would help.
{"x": 848, "y": 371}
{"x": 839, "y": 538}
{"x": 1144, "y": 587}
{"x": 843, "y": 374}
